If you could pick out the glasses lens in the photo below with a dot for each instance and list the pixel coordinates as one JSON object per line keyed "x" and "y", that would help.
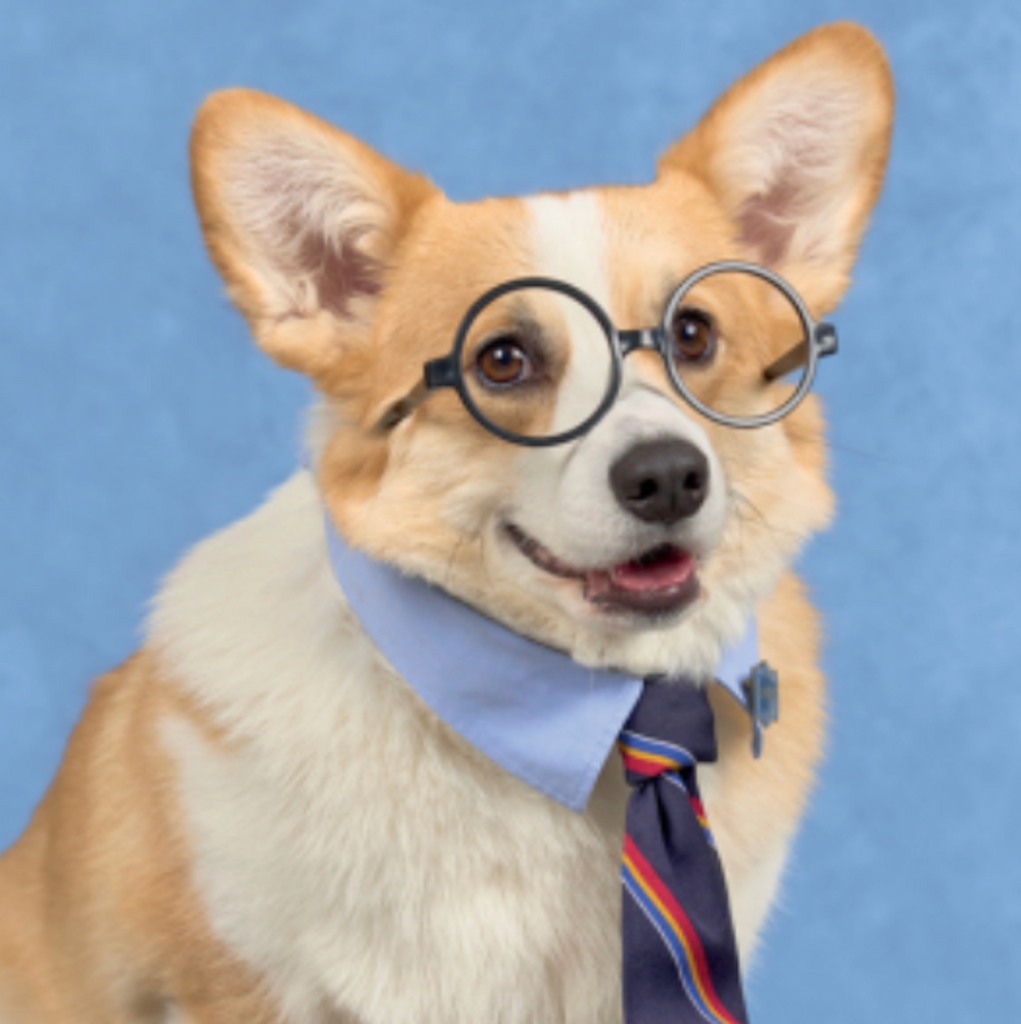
{"x": 536, "y": 363}
{"x": 725, "y": 331}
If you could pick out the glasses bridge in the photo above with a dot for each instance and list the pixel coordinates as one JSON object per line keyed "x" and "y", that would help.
{"x": 645, "y": 338}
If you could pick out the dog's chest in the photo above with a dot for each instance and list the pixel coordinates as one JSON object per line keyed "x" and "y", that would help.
{"x": 344, "y": 842}
{"x": 403, "y": 894}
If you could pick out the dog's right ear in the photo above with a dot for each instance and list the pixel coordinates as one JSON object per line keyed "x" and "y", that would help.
{"x": 795, "y": 154}
{"x": 300, "y": 219}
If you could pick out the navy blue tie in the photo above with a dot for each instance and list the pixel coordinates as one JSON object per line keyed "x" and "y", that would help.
{"x": 680, "y": 956}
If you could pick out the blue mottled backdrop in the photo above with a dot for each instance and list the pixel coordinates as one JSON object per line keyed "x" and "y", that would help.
{"x": 135, "y": 416}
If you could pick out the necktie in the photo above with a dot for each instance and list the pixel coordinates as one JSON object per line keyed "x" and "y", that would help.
{"x": 680, "y": 957}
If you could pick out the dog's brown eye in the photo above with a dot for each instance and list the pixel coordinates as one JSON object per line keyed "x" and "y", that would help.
{"x": 693, "y": 336}
{"x": 503, "y": 362}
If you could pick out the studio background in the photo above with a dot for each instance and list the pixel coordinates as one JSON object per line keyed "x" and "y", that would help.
{"x": 136, "y": 416}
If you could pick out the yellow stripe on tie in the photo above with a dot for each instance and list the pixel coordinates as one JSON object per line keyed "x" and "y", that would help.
{"x": 654, "y": 758}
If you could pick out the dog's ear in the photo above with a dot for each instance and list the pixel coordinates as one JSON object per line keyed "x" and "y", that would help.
{"x": 300, "y": 219}
{"x": 795, "y": 153}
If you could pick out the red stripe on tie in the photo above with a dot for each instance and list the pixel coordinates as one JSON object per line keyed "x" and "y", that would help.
{"x": 700, "y": 965}
{"x": 634, "y": 763}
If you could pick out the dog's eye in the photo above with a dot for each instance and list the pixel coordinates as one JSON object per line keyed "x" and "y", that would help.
{"x": 693, "y": 336}
{"x": 503, "y": 362}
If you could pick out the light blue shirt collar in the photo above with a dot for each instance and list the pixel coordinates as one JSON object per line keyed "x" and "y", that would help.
{"x": 531, "y": 709}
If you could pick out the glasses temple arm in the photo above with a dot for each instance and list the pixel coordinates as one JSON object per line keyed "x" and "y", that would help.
{"x": 437, "y": 373}
{"x": 403, "y": 407}
{"x": 824, "y": 337}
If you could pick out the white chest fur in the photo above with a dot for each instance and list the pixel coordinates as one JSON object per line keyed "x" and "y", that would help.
{"x": 345, "y": 842}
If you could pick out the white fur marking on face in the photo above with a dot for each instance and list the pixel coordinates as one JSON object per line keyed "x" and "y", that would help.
{"x": 568, "y": 243}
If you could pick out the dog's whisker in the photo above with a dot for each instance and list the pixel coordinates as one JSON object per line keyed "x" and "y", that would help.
{"x": 828, "y": 444}
{"x": 741, "y": 503}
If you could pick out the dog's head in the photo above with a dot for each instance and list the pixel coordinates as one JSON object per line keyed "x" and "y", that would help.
{"x": 646, "y": 541}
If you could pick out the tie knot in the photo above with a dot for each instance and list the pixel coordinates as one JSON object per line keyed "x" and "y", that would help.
{"x": 670, "y": 729}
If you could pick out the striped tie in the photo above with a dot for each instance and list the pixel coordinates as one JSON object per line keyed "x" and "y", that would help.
{"x": 680, "y": 957}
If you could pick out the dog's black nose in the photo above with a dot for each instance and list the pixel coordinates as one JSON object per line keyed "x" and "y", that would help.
{"x": 661, "y": 481}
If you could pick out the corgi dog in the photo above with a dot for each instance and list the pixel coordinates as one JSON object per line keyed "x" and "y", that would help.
{"x": 258, "y": 818}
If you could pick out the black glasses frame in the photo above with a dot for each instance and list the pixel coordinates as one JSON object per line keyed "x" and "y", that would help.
{"x": 820, "y": 339}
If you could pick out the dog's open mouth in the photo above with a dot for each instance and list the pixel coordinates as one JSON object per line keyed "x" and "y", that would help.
{"x": 660, "y": 582}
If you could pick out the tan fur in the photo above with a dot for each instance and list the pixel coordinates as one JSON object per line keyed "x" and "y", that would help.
{"x": 232, "y": 746}
{"x": 100, "y": 922}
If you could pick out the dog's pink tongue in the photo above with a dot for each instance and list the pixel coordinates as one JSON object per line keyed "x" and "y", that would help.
{"x": 671, "y": 570}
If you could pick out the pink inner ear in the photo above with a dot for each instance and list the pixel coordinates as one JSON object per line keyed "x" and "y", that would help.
{"x": 767, "y": 221}
{"x": 803, "y": 147}
{"x": 338, "y": 269}
{"x": 307, "y": 217}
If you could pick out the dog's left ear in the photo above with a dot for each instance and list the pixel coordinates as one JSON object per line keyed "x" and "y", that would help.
{"x": 795, "y": 153}
{"x": 303, "y": 222}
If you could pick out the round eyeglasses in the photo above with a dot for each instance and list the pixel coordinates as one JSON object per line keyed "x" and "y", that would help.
{"x": 538, "y": 362}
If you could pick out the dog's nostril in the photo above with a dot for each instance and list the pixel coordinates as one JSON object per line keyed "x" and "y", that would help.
{"x": 693, "y": 482}
{"x": 661, "y": 481}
